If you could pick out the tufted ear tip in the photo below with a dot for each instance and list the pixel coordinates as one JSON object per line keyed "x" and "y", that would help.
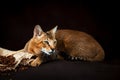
{"x": 54, "y": 29}
{"x": 37, "y": 30}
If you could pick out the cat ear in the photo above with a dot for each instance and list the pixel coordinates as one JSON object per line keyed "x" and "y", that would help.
{"x": 37, "y": 30}
{"x": 53, "y": 31}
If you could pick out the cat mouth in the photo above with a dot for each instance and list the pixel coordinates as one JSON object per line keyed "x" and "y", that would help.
{"x": 48, "y": 53}
{"x": 44, "y": 51}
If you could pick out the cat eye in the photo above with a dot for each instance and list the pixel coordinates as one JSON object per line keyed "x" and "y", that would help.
{"x": 46, "y": 42}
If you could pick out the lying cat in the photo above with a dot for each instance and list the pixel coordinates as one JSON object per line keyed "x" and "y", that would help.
{"x": 69, "y": 43}
{"x": 78, "y": 45}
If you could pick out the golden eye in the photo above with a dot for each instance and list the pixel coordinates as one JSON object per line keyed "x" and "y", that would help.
{"x": 46, "y": 42}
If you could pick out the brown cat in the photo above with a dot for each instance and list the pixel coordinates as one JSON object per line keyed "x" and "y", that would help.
{"x": 36, "y": 51}
{"x": 75, "y": 45}
{"x": 78, "y": 45}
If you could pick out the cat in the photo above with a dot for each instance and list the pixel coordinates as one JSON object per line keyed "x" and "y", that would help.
{"x": 73, "y": 44}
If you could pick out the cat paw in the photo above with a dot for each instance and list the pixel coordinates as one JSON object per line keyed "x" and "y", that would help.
{"x": 36, "y": 62}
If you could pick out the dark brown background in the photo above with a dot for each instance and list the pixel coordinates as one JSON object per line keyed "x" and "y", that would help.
{"x": 18, "y": 18}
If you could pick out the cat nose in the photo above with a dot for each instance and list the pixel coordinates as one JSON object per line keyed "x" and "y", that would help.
{"x": 52, "y": 51}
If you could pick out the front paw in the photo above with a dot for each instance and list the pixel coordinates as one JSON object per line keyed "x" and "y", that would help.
{"x": 36, "y": 62}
